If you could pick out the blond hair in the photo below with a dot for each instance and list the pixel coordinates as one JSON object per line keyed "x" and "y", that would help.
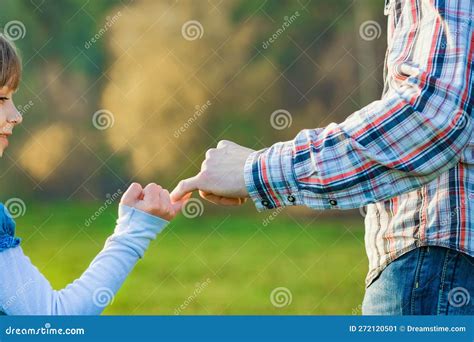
{"x": 10, "y": 64}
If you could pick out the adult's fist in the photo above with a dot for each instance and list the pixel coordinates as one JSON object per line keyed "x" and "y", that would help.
{"x": 153, "y": 199}
{"x": 221, "y": 179}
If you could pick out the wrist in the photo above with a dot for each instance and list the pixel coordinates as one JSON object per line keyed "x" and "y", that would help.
{"x": 133, "y": 219}
{"x": 270, "y": 178}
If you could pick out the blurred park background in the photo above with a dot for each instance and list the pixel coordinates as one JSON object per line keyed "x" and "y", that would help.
{"x": 115, "y": 91}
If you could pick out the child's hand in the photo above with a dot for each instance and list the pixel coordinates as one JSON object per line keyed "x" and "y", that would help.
{"x": 153, "y": 199}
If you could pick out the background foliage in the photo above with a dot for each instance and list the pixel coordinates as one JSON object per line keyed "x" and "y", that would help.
{"x": 151, "y": 80}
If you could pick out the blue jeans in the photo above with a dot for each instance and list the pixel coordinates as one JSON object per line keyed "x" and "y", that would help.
{"x": 426, "y": 281}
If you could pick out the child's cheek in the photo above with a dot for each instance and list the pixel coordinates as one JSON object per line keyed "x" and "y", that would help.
{"x": 3, "y": 118}
{"x": 3, "y": 123}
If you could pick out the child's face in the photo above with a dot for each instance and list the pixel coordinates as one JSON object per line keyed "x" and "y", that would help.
{"x": 9, "y": 117}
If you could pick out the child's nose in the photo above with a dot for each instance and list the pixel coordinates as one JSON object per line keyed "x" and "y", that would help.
{"x": 15, "y": 117}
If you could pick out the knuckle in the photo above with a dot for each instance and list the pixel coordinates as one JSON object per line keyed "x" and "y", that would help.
{"x": 135, "y": 185}
{"x": 222, "y": 143}
{"x": 210, "y": 152}
{"x": 154, "y": 187}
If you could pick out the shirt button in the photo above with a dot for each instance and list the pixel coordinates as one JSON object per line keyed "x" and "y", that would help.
{"x": 291, "y": 198}
{"x": 333, "y": 202}
{"x": 265, "y": 203}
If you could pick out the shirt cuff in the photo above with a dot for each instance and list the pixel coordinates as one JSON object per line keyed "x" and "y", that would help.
{"x": 270, "y": 177}
{"x": 135, "y": 229}
{"x": 132, "y": 219}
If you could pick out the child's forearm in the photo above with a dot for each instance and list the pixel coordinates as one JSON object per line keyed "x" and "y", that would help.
{"x": 25, "y": 291}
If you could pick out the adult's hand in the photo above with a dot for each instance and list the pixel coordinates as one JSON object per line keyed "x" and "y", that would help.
{"x": 221, "y": 179}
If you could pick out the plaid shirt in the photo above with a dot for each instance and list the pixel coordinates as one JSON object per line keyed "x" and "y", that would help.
{"x": 408, "y": 157}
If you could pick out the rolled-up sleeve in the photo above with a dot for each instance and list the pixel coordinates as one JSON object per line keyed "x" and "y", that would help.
{"x": 415, "y": 132}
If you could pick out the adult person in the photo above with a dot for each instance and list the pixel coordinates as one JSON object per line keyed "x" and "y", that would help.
{"x": 408, "y": 157}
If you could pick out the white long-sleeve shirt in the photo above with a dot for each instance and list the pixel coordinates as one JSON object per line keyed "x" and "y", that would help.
{"x": 25, "y": 291}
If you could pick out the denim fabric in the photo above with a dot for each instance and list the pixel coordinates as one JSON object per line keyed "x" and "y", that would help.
{"x": 425, "y": 281}
{"x": 7, "y": 230}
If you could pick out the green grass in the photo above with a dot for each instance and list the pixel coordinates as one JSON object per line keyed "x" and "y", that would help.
{"x": 321, "y": 261}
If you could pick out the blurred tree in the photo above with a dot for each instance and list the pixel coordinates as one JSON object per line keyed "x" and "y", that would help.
{"x": 171, "y": 78}
{"x": 250, "y": 58}
{"x": 171, "y": 87}
{"x": 58, "y": 94}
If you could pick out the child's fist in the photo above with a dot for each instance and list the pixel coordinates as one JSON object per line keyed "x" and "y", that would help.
{"x": 152, "y": 199}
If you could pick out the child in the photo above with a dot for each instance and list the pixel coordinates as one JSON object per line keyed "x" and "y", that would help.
{"x": 143, "y": 213}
